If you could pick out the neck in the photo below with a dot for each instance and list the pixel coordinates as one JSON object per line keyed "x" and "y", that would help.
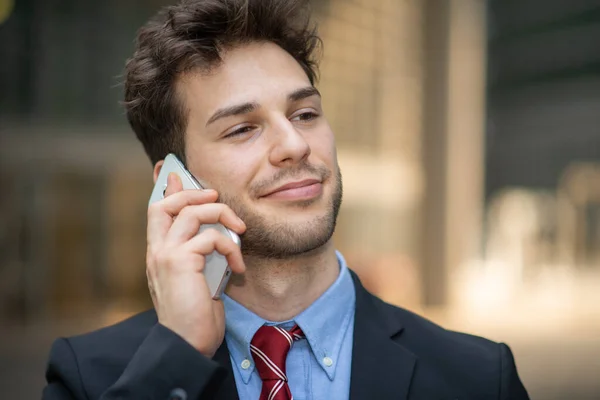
{"x": 279, "y": 290}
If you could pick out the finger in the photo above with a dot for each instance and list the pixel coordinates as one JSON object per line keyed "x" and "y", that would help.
{"x": 191, "y": 218}
{"x": 211, "y": 240}
{"x": 177, "y": 201}
{"x": 161, "y": 213}
{"x": 174, "y": 184}
{"x": 219, "y": 309}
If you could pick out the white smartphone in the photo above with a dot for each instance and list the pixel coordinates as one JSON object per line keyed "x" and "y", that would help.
{"x": 216, "y": 269}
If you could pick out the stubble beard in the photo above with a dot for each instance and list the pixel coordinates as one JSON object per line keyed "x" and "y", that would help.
{"x": 282, "y": 240}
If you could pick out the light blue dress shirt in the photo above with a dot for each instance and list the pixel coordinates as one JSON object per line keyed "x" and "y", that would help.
{"x": 318, "y": 367}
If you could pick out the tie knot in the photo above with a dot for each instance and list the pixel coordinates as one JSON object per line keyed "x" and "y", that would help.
{"x": 270, "y": 346}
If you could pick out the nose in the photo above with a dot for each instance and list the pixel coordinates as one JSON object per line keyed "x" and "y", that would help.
{"x": 289, "y": 144}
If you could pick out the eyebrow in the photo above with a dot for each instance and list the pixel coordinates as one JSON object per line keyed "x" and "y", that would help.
{"x": 232, "y": 110}
{"x": 249, "y": 107}
{"x": 303, "y": 93}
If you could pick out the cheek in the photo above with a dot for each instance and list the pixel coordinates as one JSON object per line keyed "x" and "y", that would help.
{"x": 234, "y": 170}
{"x": 207, "y": 164}
{"x": 323, "y": 148}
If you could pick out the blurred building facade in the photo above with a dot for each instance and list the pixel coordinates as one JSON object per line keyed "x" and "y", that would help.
{"x": 542, "y": 141}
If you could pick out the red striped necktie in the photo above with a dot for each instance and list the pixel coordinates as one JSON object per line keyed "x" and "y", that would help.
{"x": 270, "y": 346}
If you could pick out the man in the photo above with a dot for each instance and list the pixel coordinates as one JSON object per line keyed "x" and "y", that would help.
{"x": 228, "y": 86}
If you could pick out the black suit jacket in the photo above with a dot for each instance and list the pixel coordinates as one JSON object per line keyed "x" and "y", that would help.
{"x": 396, "y": 355}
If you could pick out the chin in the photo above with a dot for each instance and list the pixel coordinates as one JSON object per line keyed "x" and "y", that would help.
{"x": 297, "y": 211}
{"x": 284, "y": 229}
{"x": 280, "y": 235}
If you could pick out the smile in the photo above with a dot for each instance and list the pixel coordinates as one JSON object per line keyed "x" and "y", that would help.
{"x": 302, "y": 190}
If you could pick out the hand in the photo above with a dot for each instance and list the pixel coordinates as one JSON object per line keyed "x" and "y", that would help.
{"x": 175, "y": 260}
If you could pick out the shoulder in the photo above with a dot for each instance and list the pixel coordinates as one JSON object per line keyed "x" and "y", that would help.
{"x": 102, "y": 354}
{"x": 122, "y": 334}
{"x": 112, "y": 345}
{"x": 129, "y": 358}
{"x": 438, "y": 363}
{"x": 462, "y": 361}
{"x": 428, "y": 338}
{"x": 418, "y": 334}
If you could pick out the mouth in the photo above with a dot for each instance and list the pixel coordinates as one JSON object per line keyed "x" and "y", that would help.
{"x": 299, "y": 190}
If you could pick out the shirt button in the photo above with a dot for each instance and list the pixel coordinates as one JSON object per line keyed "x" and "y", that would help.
{"x": 246, "y": 364}
{"x": 328, "y": 361}
{"x": 178, "y": 394}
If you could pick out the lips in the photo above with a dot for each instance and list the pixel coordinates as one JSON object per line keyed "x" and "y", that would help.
{"x": 293, "y": 185}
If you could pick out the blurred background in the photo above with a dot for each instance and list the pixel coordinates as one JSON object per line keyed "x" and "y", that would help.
{"x": 469, "y": 139}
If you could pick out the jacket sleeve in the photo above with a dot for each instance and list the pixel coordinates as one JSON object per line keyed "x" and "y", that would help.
{"x": 62, "y": 374}
{"x": 164, "y": 364}
{"x": 511, "y": 387}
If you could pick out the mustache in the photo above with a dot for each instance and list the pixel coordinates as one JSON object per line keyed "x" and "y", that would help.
{"x": 299, "y": 171}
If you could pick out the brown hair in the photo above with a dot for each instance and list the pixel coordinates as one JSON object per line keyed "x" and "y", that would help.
{"x": 191, "y": 36}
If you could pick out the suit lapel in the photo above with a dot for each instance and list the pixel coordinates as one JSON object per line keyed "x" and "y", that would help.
{"x": 381, "y": 368}
{"x": 228, "y": 388}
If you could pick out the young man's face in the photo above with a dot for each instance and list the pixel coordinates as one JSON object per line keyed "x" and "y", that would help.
{"x": 255, "y": 125}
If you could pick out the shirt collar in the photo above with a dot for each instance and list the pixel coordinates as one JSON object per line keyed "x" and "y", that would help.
{"x": 324, "y": 323}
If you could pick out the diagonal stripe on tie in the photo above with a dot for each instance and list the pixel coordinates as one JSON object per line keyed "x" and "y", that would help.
{"x": 269, "y": 347}
{"x": 285, "y": 334}
{"x": 270, "y": 364}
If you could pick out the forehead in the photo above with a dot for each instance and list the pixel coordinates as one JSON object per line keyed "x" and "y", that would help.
{"x": 257, "y": 72}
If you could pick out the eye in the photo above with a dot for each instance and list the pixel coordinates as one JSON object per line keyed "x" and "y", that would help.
{"x": 239, "y": 131}
{"x": 305, "y": 116}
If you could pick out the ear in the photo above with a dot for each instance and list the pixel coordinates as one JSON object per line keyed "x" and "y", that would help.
{"x": 157, "y": 168}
